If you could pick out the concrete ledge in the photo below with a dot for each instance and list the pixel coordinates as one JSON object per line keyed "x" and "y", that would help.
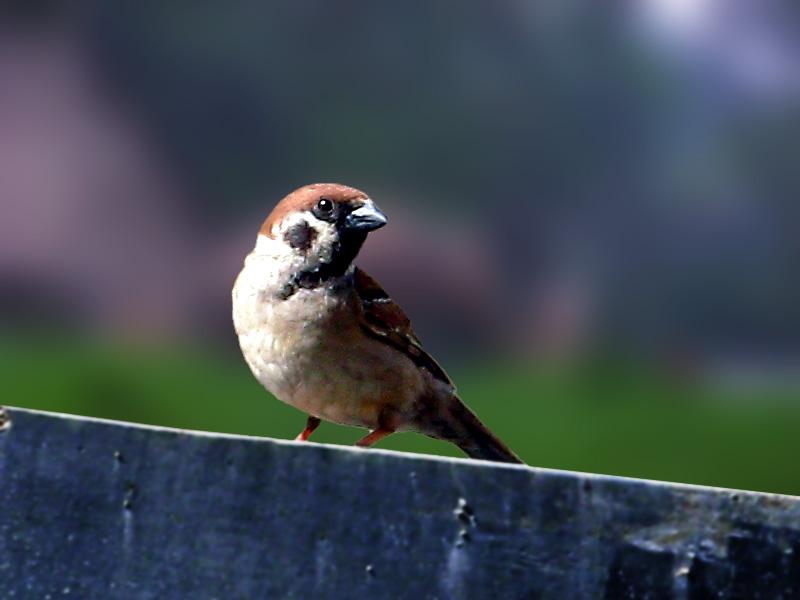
{"x": 97, "y": 509}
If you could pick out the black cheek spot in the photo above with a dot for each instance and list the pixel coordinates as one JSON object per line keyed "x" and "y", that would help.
{"x": 300, "y": 236}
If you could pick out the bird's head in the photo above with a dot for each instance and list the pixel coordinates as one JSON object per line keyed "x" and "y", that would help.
{"x": 320, "y": 226}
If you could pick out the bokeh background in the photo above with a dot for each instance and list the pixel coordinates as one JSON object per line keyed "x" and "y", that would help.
{"x": 594, "y": 216}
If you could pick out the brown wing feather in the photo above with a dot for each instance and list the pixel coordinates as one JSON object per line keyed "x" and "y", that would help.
{"x": 386, "y": 321}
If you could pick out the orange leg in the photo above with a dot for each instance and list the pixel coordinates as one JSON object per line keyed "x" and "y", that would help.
{"x": 374, "y": 436}
{"x": 311, "y": 425}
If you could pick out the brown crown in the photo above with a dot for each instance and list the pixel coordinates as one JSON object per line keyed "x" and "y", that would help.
{"x": 306, "y": 198}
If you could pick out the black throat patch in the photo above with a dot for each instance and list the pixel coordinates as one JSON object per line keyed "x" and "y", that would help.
{"x": 344, "y": 251}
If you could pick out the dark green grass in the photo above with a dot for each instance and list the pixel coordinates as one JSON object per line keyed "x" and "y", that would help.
{"x": 612, "y": 419}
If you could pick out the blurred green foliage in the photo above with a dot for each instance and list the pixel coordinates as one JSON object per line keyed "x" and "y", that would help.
{"x": 612, "y": 418}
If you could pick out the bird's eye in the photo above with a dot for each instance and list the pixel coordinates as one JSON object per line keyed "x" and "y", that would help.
{"x": 325, "y": 206}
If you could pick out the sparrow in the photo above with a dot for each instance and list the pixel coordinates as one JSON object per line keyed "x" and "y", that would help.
{"x": 322, "y": 335}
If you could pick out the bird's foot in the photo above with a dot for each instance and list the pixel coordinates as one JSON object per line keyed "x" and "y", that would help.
{"x": 374, "y": 436}
{"x": 311, "y": 425}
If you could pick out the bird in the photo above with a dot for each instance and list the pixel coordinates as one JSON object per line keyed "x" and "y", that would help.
{"x": 323, "y": 336}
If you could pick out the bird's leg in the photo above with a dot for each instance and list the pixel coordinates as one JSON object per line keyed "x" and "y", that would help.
{"x": 374, "y": 436}
{"x": 311, "y": 425}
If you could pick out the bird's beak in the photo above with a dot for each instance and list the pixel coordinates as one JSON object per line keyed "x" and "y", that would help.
{"x": 365, "y": 218}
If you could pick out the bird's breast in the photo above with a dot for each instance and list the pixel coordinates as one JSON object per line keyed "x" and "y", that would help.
{"x": 309, "y": 351}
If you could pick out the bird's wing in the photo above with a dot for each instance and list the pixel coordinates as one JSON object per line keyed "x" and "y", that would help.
{"x": 386, "y": 321}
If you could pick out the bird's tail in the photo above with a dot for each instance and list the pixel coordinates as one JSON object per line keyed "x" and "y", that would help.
{"x": 459, "y": 425}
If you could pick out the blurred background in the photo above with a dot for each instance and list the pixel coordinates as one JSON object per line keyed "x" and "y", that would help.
{"x": 594, "y": 216}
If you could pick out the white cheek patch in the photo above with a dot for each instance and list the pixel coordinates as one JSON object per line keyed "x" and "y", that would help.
{"x": 266, "y": 246}
{"x": 291, "y": 220}
{"x": 324, "y": 238}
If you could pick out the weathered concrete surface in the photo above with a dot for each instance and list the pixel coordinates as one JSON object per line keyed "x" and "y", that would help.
{"x": 92, "y": 509}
